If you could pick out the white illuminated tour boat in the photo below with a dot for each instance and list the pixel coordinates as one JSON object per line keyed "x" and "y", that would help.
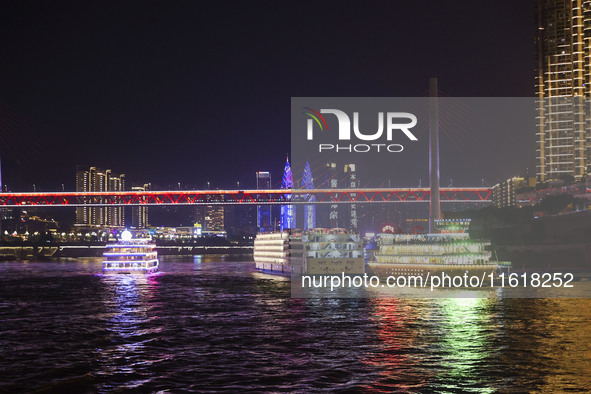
{"x": 130, "y": 256}
{"x": 450, "y": 251}
{"x": 312, "y": 252}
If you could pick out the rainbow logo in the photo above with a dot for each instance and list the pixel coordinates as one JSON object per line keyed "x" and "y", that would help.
{"x": 315, "y": 115}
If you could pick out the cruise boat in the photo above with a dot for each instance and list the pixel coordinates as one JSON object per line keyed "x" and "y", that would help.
{"x": 271, "y": 252}
{"x": 311, "y": 252}
{"x": 130, "y": 256}
{"x": 450, "y": 251}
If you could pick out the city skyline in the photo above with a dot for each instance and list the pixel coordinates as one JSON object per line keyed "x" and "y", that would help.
{"x": 271, "y": 196}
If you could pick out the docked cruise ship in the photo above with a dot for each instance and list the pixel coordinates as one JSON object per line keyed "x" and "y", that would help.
{"x": 130, "y": 256}
{"x": 452, "y": 252}
{"x": 315, "y": 251}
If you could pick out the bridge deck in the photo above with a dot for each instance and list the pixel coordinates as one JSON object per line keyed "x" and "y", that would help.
{"x": 245, "y": 197}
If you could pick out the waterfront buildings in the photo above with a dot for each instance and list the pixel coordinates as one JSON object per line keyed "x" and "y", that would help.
{"x": 309, "y": 210}
{"x": 214, "y": 218}
{"x": 97, "y": 180}
{"x": 139, "y": 214}
{"x": 505, "y": 193}
{"x": 211, "y": 217}
{"x": 563, "y": 83}
{"x": 186, "y": 233}
{"x": 288, "y": 212}
{"x": 264, "y": 211}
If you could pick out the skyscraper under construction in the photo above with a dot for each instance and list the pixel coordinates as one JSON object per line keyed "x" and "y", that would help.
{"x": 563, "y": 88}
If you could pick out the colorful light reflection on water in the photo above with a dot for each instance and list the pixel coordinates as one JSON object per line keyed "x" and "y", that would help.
{"x": 207, "y": 322}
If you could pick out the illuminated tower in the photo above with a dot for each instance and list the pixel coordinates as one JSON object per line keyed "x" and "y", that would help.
{"x": 264, "y": 211}
{"x": 114, "y": 215}
{"x": 82, "y": 185}
{"x": 140, "y": 213}
{"x": 563, "y": 82}
{"x": 287, "y": 211}
{"x": 309, "y": 210}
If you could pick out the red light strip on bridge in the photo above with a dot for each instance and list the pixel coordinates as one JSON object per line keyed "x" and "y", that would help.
{"x": 246, "y": 197}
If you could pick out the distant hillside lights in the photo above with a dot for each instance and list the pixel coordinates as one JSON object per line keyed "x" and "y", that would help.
{"x": 393, "y": 124}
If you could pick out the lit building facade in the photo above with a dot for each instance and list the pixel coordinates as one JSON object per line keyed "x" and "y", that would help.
{"x": 115, "y": 216}
{"x": 211, "y": 217}
{"x": 96, "y": 180}
{"x": 264, "y": 211}
{"x": 288, "y": 212}
{"x": 82, "y": 184}
{"x": 563, "y": 83}
{"x": 309, "y": 210}
{"x": 140, "y": 213}
{"x": 504, "y": 194}
{"x": 214, "y": 218}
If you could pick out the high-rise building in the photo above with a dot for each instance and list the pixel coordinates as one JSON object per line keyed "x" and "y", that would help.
{"x": 214, "y": 218}
{"x": 288, "y": 213}
{"x": 97, "y": 180}
{"x": 563, "y": 82}
{"x": 139, "y": 214}
{"x": 211, "y": 217}
{"x": 309, "y": 210}
{"x": 264, "y": 211}
{"x": 82, "y": 185}
{"x": 115, "y": 216}
{"x": 504, "y": 194}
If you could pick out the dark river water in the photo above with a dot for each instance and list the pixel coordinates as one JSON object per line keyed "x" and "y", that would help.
{"x": 209, "y": 323}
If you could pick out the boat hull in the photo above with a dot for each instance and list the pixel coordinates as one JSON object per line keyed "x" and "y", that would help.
{"x": 385, "y": 270}
{"x": 275, "y": 268}
{"x": 130, "y": 271}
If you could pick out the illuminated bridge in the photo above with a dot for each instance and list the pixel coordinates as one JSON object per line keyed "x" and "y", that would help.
{"x": 247, "y": 197}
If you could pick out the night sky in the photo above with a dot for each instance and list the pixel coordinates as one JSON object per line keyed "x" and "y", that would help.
{"x": 194, "y": 91}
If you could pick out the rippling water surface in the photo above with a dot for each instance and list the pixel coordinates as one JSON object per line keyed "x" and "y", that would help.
{"x": 211, "y": 323}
